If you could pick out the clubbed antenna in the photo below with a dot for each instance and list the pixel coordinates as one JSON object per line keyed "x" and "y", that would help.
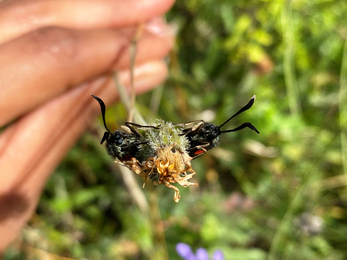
{"x": 103, "y": 111}
{"x": 244, "y": 125}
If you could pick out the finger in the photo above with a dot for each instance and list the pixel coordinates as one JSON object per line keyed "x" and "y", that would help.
{"x": 20, "y": 17}
{"x": 44, "y": 64}
{"x": 32, "y": 147}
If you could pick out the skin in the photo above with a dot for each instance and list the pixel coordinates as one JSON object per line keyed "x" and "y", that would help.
{"x": 54, "y": 55}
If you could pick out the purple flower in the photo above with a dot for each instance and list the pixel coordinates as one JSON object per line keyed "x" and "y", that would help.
{"x": 186, "y": 252}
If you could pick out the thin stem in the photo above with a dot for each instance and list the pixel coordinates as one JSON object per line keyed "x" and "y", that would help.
{"x": 129, "y": 179}
{"x": 155, "y": 100}
{"x": 157, "y": 226}
{"x": 288, "y": 62}
{"x": 133, "y": 50}
{"x": 126, "y": 101}
{"x": 343, "y": 109}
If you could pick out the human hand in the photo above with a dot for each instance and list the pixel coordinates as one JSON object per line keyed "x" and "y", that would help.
{"x": 53, "y": 55}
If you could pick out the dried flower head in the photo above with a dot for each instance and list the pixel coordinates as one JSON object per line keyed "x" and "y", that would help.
{"x": 170, "y": 165}
{"x": 163, "y": 156}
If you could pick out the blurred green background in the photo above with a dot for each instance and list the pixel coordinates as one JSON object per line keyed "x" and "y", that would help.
{"x": 278, "y": 195}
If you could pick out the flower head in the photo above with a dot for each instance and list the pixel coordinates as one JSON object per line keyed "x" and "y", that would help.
{"x": 186, "y": 252}
{"x": 162, "y": 156}
{"x": 164, "y": 134}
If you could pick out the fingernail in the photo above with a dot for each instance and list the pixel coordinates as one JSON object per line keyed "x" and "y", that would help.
{"x": 158, "y": 26}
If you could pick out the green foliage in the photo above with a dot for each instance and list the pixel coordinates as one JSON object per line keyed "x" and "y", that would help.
{"x": 277, "y": 195}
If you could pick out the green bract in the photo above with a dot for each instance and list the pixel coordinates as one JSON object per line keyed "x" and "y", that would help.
{"x": 168, "y": 134}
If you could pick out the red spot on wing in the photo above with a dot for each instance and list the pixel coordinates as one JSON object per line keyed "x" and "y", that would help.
{"x": 125, "y": 158}
{"x": 198, "y": 152}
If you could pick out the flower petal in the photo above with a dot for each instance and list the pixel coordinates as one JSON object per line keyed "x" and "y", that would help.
{"x": 185, "y": 251}
{"x": 218, "y": 255}
{"x": 201, "y": 254}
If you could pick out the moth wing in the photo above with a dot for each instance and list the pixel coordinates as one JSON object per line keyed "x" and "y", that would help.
{"x": 192, "y": 126}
